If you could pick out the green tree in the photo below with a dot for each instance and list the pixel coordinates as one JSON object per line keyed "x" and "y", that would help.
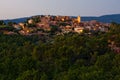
{"x": 2, "y": 22}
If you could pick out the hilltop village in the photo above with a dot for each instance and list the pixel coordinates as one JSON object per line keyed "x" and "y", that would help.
{"x": 53, "y": 25}
{"x": 59, "y": 48}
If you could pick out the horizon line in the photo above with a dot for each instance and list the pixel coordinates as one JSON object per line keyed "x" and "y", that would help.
{"x": 57, "y": 15}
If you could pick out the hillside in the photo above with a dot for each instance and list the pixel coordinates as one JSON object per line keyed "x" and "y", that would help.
{"x": 104, "y": 18}
{"x": 18, "y": 20}
{"x": 64, "y": 57}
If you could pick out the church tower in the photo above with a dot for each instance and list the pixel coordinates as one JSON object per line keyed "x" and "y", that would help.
{"x": 79, "y": 19}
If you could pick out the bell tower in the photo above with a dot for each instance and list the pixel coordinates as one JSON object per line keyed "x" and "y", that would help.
{"x": 79, "y": 19}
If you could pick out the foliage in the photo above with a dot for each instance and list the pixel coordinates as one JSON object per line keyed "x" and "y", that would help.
{"x": 2, "y": 22}
{"x": 66, "y": 57}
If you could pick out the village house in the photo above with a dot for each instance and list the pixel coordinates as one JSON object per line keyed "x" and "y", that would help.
{"x": 17, "y": 27}
{"x": 30, "y": 21}
{"x": 22, "y": 25}
{"x": 78, "y": 29}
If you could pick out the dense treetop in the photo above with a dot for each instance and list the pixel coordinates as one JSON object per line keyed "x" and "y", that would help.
{"x": 63, "y": 57}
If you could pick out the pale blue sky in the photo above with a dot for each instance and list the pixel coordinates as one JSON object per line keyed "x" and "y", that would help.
{"x": 22, "y": 8}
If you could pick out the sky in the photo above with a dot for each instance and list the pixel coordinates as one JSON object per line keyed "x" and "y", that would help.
{"x": 10, "y": 9}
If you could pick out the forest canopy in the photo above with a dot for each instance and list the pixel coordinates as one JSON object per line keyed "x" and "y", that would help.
{"x": 64, "y": 57}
